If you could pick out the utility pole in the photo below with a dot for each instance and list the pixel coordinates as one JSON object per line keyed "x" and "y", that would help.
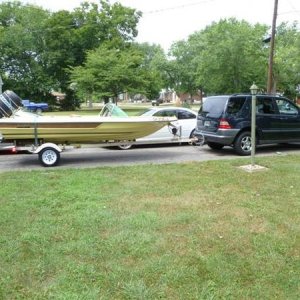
{"x": 272, "y": 47}
{"x": 1, "y": 84}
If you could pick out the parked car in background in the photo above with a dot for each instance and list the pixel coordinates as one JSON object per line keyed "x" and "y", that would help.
{"x": 35, "y": 107}
{"x": 156, "y": 102}
{"x": 226, "y": 121}
{"x": 183, "y": 128}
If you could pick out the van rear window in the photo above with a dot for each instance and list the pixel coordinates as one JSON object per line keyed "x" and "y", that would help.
{"x": 213, "y": 105}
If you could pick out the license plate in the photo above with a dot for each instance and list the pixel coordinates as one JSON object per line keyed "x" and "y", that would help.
{"x": 207, "y": 123}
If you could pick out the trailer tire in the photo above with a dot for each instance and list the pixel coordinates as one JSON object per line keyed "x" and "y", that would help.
{"x": 49, "y": 157}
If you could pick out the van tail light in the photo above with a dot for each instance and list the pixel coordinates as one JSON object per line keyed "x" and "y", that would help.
{"x": 224, "y": 124}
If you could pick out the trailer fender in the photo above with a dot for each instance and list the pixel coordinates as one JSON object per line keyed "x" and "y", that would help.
{"x": 49, "y": 154}
{"x": 47, "y": 145}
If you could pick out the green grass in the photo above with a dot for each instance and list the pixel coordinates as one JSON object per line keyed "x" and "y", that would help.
{"x": 177, "y": 231}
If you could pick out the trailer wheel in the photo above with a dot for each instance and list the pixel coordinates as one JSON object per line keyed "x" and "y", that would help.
{"x": 49, "y": 157}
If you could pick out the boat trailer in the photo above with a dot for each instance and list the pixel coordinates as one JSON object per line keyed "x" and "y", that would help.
{"x": 49, "y": 154}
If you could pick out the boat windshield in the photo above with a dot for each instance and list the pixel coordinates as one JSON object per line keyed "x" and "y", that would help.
{"x": 112, "y": 110}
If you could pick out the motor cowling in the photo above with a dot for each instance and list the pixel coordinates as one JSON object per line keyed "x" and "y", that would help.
{"x": 9, "y": 102}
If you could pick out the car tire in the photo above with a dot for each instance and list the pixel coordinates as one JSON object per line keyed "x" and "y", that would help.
{"x": 125, "y": 147}
{"x": 192, "y": 136}
{"x": 215, "y": 146}
{"x": 242, "y": 144}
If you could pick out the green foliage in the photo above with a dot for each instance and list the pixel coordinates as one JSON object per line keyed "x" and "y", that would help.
{"x": 39, "y": 47}
{"x": 183, "y": 68}
{"x": 287, "y": 64}
{"x": 237, "y": 48}
{"x": 21, "y": 46}
{"x": 115, "y": 68}
{"x": 153, "y": 66}
{"x": 229, "y": 55}
{"x": 217, "y": 232}
{"x": 108, "y": 71}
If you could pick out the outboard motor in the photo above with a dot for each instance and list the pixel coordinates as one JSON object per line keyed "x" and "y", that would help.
{"x": 9, "y": 103}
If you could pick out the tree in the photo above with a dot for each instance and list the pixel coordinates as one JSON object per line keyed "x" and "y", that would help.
{"x": 229, "y": 56}
{"x": 109, "y": 71}
{"x": 21, "y": 45}
{"x": 71, "y": 35}
{"x": 115, "y": 68}
{"x": 225, "y": 57}
{"x": 39, "y": 47}
{"x": 153, "y": 63}
{"x": 183, "y": 68}
{"x": 286, "y": 63}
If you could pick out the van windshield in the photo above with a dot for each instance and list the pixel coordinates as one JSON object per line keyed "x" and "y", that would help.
{"x": 213, "y": 105}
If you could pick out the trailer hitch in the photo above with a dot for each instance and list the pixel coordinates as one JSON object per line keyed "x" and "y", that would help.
{"x": 198, "y": 140}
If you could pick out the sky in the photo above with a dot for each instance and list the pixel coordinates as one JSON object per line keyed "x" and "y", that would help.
{"x": 167, "y": 21}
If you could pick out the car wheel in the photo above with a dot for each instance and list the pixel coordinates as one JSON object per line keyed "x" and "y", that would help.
{"x": 192, "y": 136}
{"x": 49, "y": 157}
{"x": 125, "y": 146}
{"x": 215, "y": 146}
{"x": 242, "y": 144}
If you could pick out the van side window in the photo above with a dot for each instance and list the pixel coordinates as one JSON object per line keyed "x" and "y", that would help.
{"x": 235, "y": 105}
{"x": 265, "y": 106}
{"x": 286, "y": 107}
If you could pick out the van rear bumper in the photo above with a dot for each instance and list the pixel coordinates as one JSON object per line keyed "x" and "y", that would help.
{"x": 224, "y": 137}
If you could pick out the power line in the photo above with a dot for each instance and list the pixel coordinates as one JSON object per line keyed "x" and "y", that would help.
{"x": 291, "y": 5}
{"x": 177, "y": 7}
{"x": 155, "y": 11}
{"x": 292, "y": 11}
{"x": 289, "y": 12}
